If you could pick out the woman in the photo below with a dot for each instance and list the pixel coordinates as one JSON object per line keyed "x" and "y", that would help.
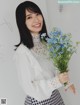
{"x": 35, "y": 69}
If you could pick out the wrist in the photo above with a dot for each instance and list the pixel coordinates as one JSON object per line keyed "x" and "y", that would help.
{"x": 68, "y": 85}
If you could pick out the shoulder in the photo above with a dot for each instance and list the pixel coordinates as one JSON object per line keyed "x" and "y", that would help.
{"x": 22, "y": 49}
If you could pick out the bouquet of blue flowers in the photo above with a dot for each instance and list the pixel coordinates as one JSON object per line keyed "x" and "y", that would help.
{"x": 60, "y": 48}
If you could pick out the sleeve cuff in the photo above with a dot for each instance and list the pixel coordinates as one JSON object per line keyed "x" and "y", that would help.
{"x": 55, "y": 83}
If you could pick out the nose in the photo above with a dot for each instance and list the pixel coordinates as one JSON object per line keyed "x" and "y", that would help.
{"x": 36, "y": 19}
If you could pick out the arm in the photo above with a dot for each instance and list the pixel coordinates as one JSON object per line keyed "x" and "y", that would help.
{"x": 31, "y": 87}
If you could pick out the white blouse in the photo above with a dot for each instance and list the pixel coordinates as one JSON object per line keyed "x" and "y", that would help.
{"x": 36, "y": 70}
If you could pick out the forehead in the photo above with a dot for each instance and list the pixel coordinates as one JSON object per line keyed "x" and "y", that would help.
{"x": 31, "y": 11}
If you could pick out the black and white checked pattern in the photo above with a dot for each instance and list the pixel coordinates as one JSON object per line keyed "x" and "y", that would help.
{"x": 55, "y": 99}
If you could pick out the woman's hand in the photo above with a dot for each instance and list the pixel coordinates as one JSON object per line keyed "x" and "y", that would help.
{"x": 63, "y": 77}
{"x": 71, "y": 87}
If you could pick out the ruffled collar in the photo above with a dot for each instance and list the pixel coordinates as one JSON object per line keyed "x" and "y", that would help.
{"x": 36, "y": 39}
{"x": 39, "y": 48}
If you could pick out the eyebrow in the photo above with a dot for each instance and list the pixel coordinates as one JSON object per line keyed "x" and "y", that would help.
{"x": 28, "y": 15}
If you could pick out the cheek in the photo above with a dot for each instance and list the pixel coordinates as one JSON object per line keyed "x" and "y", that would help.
{"x": 41, "y": 20}
{"x": 28, "y": 24}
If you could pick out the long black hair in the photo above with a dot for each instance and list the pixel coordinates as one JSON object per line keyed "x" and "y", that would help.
{"x": 25, "y": 35}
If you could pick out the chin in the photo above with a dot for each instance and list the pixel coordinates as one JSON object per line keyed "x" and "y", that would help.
{"x": 38, "y": 30}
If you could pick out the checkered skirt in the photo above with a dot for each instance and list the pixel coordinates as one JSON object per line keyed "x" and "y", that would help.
{"x": 55, "y": 99}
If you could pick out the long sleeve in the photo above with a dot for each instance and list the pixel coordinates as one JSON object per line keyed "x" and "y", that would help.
{"x": 39, "y": 89}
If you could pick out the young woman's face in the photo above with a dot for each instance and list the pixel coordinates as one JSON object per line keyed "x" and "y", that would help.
{"x": 34, "y": 22}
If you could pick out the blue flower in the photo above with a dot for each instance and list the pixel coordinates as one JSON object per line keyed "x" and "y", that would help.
{"x": 55, "y": 32}
{"x": 51, "y": 49}
{"x": 52, "y": 40}
{"x": 60, "y": 48}
{"x": 62, "y": 45}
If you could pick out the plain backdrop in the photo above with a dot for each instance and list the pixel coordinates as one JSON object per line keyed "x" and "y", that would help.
{"x": 66, "y": 17}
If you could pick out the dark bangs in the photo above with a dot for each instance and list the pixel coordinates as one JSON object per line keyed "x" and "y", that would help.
{"x": 34, "y": 9}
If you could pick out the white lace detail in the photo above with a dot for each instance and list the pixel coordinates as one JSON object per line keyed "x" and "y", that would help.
{"x": 39, "y": 48}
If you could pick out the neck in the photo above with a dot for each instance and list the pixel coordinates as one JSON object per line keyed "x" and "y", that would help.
{"x": 36, "y": 38}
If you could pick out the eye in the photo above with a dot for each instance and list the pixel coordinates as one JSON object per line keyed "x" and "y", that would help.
{"x": 29, "y": 17}
{"x": 37, "y": 14}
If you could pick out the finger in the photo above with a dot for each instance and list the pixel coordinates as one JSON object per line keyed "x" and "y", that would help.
{"x": 72, "y": 88}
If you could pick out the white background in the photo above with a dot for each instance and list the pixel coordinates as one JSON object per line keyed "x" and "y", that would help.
{"x": 68, "y": 20}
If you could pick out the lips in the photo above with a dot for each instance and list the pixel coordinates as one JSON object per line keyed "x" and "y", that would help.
{"x": 37, "y": 25}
